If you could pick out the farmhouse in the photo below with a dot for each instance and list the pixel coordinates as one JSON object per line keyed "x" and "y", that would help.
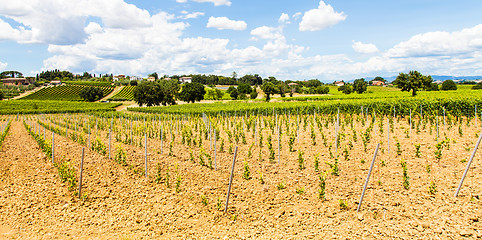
{"x": 119, "y": 77}
{"x": 378, "y": 83}
{"x": 55, "y": 82}
{"x": 185, "y": 79}
{"x": 151, "y": 79}
{"x": 339, "y": 83}
{"x": 16, "y": 81}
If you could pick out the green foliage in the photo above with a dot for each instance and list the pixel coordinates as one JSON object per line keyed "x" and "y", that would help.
{"x": 334, "y": 167}
{"x": 269, "y": 89}
{"x": 125, "y": 94}
{"x": 244, "y": 88}
{"x": 192, "y": 92}
{"x": 432, "y": 188}
{"x": 261, "y": 179}
{"x": 343, "y": 204}
{"x": 69, "y": 93}
{"x": 346, "y": 89}
{"x": 67, "y": 174}
{"x": 321, "y": 191}
{"x": 153, "y": 93}
{"x": 413, "y": 81}
{"x": 360, "y": 85}
{"x": 281, "y": 185}
{"x": 120, "y": 156}
{"x": 405, "y": 182}
{"x": 36, "y": 106}
{"x": 300, "y": 191}
{"x": 448, "y": 85}
{"x": 91, "y": 94}
{"x": 417, "y": 150}
{"x": 204, "y": 200}
{"x": 301, "y": 160}
{"x": 246, "y": 173}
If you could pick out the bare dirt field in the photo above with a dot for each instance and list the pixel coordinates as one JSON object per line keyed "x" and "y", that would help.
{"x": 120, "y": 203}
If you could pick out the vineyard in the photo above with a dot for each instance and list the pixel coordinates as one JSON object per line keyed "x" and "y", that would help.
{"x": 47, "y": 106}
{"x": 13, "y": 91}
{"x": 62, "y": 93}
{"x": 296, "y": 172}
{"x": 125, "y": 94}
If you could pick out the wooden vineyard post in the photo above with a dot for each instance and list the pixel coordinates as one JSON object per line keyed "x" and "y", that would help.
{"x": 44, "y": 133}
{"x": 81, "y": 170}
{"x": 388, "y": 136}
{"x": 444, "y": 119}
{"x": 131, "y": 132}
{"x": 53, "y": 147}
{"x": 279, "y": 146}
{"x": 230, "y": 179}
{"x": 215, "y": 160}
{"x": 437, "y": 126}
{"x": 336, "y": 130}
{"x": 161, "y": 138}
{"x": 468, "y": 165}
{"x": 110, "y": 138}
{"x": 145, "y": 149}
{"x": 410, "y": 129}
{"x": 368, "y": 178}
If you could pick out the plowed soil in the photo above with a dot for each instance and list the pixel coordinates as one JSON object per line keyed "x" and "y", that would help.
{"x": 120, "y": 203}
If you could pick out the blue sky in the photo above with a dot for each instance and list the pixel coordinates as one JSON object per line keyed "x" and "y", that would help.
{"x": 305, "y": 39}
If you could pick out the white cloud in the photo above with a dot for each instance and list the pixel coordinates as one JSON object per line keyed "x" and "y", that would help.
{"x": 187, "y": 15}
{"x": 297, "y": 15}
{"x": 3, "y": 66}
{"x": 320, "y": 18}
{"x": 222, "y": 23}
{"x": 265, "y": 32}
{"x": 364, "y": 48}
{"x": 284, "y": 18}
{"x": 216, "y": 2}
{"x": 461, "y": 42}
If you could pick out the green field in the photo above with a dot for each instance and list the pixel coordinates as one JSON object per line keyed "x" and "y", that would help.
{"x": 62, "y": 93}
{"x": 379, "y": 100}
{"x": 13, "y": 91}
{"x": 125, "y": 94}
{"x": 37, "y": 106}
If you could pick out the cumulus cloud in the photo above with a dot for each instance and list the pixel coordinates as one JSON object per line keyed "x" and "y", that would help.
{"x": 320, "y": 18}
{"x": 3, "y": 66}
{"x": 461, "y": 42}
{"x": 284, "y": 18}
{"x": 216, "y": 2}
{"x": 364, "y": 48}
{"x": 222, "y": 23}
{"x": 265, "y": 32}
{"x": 187, "y": 15}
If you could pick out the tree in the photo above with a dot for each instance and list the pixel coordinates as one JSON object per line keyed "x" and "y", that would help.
{"x": 91, "y": 94}
{"x": 477, "y": 86}
{"x": 322, "y": 90}
{"x": 234, "y": 94}
{"x": 448, "y": 85}
{"x": 133, "y": 83}
{"x": 219, "y": 94}
{"x": 413, "y": 81}
{"x": 268, "y": 89}
{"x": 360, "y": 85}
{"x": 230, "y": 89}
{"x": 253, "y": 94}
{"x": 192, "y": 92}
{"x": 1, "y": 95}
{"x": 170, "y": 91}
{"x": 346, "y": 89}
{"x": 244, "y": 88}
{"x": 433, "y": 87}
{"x": 148, "y": 93}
